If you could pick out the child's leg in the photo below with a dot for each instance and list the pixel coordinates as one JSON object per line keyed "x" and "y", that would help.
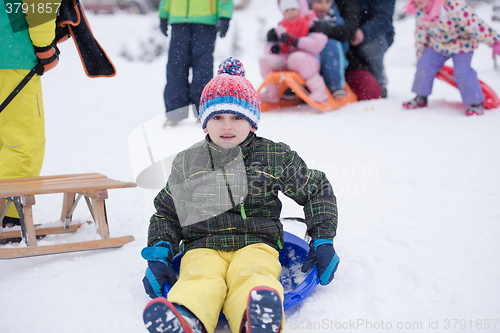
{"x": 22, "y": 129}
{"x": 176, "y": 93}
{"x": 466, "y": 78}
{"x": 308, "y": 67}
{"x": 201, "y": 287}
{"x": 252, "y": 266}
{"x": 427, "y": 67}
{"x": 303, "y": 63}
{"x": 272, "y": 63}
{"x": 203, "y": 41}
{"x": 333, "y": 64}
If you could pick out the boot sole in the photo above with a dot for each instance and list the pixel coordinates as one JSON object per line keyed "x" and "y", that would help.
{"x": 264, "y": 311}
{"x": 161, "y": 316}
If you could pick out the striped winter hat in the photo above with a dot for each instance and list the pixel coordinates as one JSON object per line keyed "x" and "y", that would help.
{"x": 230, "y": 92}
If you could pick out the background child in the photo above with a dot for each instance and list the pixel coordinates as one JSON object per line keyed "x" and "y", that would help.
{"x": 332, "y": 58}
{"x": 194, "y": 26}
{"x": 449, "y": 29}
{"x": 288, "y": 52}
{"x": 221, "y": 200}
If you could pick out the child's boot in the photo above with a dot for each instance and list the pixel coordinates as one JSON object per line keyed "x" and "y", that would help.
{"x": 162, "y": 316}
{"x": 264, "y": 311}
{"x": 417, "y": 102}
{"x": 269, "y": 94}
{"x": 316, "y": 86}
{"x": 475, "y": 110}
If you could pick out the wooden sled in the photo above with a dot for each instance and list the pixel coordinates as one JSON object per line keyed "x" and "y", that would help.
{"x": 295, "y": 82}
{"x": 21, "y": 192}
{"x": 491, "y": 100}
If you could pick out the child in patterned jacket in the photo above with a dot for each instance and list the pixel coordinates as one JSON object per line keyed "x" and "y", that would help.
{"x": 221, "y": 200}
{"x": 449, "y": 29}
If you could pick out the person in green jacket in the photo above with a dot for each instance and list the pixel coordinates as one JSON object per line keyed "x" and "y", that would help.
{"x": 194, "y": 26}
{"x": 26, "y": 41}
{"x": 221, "y": 200}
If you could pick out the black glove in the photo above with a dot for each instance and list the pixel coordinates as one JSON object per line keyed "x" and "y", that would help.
{"x": 222, "y": 26}
{"x": 164, "y": 26}
{"x": 272, "y": 36}
{"x": 159, "y": 269}
{"x": 48, "y": 58}
{"x": 322, "y": 27}
{"x": 323, "y": 255}
{"x": 289, "y": 39}
{"x": 276, "y": 49}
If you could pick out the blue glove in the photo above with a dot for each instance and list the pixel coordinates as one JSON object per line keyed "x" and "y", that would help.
{"x": 164, "y": 26}
{"x": 159, "y": 269}
{"x": 323, "y": 254}
{"x": 222, "y": 26}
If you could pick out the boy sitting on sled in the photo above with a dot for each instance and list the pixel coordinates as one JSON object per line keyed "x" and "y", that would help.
{"x": 221, "y": 201}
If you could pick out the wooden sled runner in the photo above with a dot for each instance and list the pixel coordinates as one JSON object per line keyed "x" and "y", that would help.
{"x": 491, "y": 100}
{"x": 21, "y": 192}
{"x": 295, "y": 82}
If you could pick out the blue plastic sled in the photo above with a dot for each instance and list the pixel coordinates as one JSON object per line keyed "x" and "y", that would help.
{"x": 298, "y": 286}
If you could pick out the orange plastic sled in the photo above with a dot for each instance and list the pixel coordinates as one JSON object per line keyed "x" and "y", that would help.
{"x": 295, "y": 82}
{"x": 491, "y": 100}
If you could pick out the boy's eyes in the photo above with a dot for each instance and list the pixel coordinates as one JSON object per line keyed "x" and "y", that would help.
{"x": 234, "y": 117}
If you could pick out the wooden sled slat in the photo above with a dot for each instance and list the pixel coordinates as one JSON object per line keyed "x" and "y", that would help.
{"x": 31, "y": 251}
{"x": 43, "y": 231}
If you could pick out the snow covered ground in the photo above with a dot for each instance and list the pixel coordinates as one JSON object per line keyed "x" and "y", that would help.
{"x": 418, "y": 193}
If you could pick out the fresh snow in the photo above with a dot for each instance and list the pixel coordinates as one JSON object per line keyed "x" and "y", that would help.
{"x": 417, "y": 192}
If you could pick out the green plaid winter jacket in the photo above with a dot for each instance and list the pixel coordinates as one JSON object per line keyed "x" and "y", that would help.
{"x": 206, "y": 204}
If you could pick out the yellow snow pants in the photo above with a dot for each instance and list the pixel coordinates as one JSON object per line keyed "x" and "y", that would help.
{"x": 22, "y": 128}
{"x": 212, "y": 281}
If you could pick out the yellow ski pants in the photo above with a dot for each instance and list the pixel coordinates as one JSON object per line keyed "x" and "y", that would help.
{"x": 22, "y": 128}
{"x": 212, "y": 281}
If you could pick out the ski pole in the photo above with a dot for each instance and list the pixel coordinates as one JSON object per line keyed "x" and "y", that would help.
{"x": 19, "y": 87}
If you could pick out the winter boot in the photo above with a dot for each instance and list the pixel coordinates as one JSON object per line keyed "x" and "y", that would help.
{"x": 475, "y": 109}
{"x": 9, "y": 222}
{"x": 162, "y": 316}
{"x": 339, "y": 93}
{"x": 316, "y": 86}
{"x": 269, "y": 94}
{"x": 289, "y": 95}
{"x": 417, "y": 102}
{"x": 264, "y": 311}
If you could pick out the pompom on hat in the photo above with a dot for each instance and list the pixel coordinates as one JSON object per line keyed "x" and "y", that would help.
{"x": 230, "y": 92}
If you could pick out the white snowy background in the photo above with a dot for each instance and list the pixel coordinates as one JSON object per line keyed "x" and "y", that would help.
{"x": 418, "y": 192}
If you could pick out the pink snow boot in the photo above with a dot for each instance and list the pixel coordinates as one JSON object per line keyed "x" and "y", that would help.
{"x": 264, "y": 311}
{"x": 316, "y": 86}
{"x": 417, "y": 102}
{"x": 475, "y": 110}
{"x": 269, "y": 94}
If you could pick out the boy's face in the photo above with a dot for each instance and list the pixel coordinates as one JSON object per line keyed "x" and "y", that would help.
{"x": 291, "y": 14}
{"x": 321, "y": 7}
{"x": 228, "y": 130}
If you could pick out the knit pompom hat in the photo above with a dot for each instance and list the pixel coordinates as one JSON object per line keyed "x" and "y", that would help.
{"x": 230, "y": 92}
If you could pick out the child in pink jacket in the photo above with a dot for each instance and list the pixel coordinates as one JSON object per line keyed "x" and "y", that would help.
{"x": 449, "y": 29}
{"x": 290, "y": 47}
